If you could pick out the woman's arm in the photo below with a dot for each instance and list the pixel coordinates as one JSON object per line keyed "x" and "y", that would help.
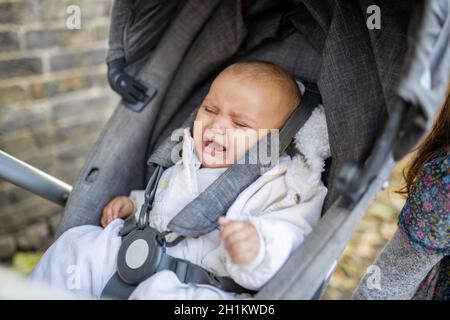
{"x": 421, "y": 240}
{"x": 399, "y": 270}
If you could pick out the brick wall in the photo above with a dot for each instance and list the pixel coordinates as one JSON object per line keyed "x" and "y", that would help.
{"x": 54, "y": 101}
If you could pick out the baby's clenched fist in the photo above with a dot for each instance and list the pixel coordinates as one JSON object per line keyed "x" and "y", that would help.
{"x": 241, "y": 240}
{"x": 119, "y": 207}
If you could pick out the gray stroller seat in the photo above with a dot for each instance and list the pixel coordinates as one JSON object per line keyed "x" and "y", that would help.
{"x": 380, "y": 90}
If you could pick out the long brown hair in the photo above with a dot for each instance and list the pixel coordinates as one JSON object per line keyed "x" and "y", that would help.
{"x": 436, "y": 141}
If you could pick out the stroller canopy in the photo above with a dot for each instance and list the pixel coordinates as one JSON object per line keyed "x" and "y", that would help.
{"x": 179, "y": 46}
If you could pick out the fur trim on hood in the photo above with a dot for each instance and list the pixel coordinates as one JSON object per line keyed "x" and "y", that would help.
{"x": 313, "y": 148}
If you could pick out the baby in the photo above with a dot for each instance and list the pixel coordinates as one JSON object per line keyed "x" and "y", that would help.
{"x": 259, "y": 231}
{"x": 244, "y": 97}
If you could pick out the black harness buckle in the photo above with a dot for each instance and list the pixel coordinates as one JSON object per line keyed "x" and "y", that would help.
{"x": 142, "y": 251}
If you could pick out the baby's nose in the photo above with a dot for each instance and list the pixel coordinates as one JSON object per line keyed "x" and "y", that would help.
{"x": 218, "y": 129}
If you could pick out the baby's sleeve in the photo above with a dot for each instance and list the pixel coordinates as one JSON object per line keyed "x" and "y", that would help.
{"x": 138, "y": 198}
{"x": 280, "y": 232}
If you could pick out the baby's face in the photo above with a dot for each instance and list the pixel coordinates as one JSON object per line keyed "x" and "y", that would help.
{"x": 230, "y": 116}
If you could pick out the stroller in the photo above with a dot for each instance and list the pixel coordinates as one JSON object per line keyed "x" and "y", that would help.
{"x": 380, "y": 87}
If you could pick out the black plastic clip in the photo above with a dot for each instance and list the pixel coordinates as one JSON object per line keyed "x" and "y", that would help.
{"x": 135, "y": 94}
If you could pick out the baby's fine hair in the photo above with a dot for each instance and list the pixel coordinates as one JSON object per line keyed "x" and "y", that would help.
{"x": 265, "y": 71}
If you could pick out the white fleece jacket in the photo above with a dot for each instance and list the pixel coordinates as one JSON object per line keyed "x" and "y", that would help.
{"x": 284, "y": 205}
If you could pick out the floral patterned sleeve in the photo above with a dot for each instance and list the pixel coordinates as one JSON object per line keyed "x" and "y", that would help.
{"x": 425, "y": 218}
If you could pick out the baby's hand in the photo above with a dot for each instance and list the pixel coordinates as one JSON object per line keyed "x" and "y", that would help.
{"x": 119, "y": 207}
{"x": 241, "y": 240}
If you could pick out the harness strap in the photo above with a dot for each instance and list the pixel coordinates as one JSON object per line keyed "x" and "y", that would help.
{"x": 189, "y": 272}
{"x": 125, "y": 280}
{"x": 186, "y": 272}
{"x": 117, "y": 289}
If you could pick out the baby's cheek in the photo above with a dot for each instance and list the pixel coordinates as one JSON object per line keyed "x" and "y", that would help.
{"x": 197, "y": 133}
{"x": 197, "y": 129}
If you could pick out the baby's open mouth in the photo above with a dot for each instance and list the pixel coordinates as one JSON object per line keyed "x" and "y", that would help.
{"x": 212, "y": 147}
